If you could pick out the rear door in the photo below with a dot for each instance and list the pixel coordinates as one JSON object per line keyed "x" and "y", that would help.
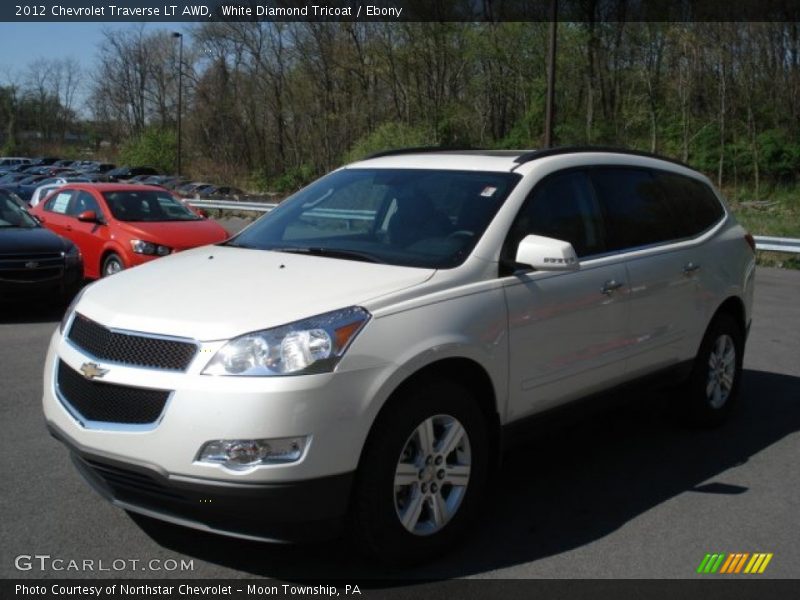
{"x": 568, "y": 331}
{"x": 54, "y": 215}
{"x": 643, "y": 227}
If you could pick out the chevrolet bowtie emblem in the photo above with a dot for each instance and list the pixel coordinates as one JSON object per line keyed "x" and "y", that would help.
{"x": 91, "y": 370}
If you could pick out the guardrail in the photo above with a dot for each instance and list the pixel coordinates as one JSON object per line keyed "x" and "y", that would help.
{"x": 763, "y": 242}
{"x": 777, "y": 244}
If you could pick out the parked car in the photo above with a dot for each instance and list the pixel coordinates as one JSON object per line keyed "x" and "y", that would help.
{"x": 42, "y": 192}
{"x": 190, "y": 188}
{"x": 96, "y": 167}
{"x": 15, "y": 199}
{"x": 126, "y": 173}
{"x": 360, "y": 354}
{"x": 12, "y": 177}
{"x": 66, "y": 162}
{"x": 118, "y": 226}
{"x": 24, "y": 187}
{"x": 218, "y": 191}
{"x": 34, "y": 262}
{"x": 46, "y": 186}
{"x": 13, "y": 161}
{"x": 44, "y": 161}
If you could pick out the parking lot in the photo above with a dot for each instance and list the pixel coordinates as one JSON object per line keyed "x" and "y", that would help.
{"x": 626, "y": 494}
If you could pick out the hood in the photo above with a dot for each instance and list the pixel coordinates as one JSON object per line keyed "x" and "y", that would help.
{"x": 179, "y": 235}
{"x": 35, "y": 240}
{"x": 220, "y": 292}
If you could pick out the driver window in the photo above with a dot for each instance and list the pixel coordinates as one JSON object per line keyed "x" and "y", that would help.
{"x": 83, "y": 201}
{"x": 562, "y": 207}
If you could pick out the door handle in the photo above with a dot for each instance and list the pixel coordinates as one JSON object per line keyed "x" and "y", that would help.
{"x": 690, "y": 267}
{"x": 611, "y": 286}
{"x": 68, "y": 228}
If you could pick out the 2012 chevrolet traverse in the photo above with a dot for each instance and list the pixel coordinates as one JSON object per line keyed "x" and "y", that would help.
{"x": 359, "y": 350}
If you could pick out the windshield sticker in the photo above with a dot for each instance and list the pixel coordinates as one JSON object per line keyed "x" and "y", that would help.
{"x": 488, "y": 191}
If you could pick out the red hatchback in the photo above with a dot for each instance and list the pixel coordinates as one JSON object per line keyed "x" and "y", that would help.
{"x": 120, "y": 226}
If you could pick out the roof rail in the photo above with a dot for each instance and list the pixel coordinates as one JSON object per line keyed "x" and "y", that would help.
{"x": 536, "y": 154}
{"x": 419, "y": 150}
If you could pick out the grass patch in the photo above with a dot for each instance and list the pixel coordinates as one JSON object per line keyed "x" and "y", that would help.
{"x": 778, "y": 214}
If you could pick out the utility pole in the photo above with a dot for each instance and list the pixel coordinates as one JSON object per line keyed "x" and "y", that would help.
{"x": 551, "y": 75}
{"x": 178, "y": 35}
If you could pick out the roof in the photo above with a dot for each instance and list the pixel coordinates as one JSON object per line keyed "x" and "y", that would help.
{"x": 113, "y": 187}
{"x": 488, "y": 160}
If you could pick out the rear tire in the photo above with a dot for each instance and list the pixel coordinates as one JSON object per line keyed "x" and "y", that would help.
{"x": 423, "y": 474}
{"x": 111, "y": 265}
{"x": 712, "y": 390}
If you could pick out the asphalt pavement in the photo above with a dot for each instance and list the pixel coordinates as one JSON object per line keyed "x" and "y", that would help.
{"x": 625, "y": 494}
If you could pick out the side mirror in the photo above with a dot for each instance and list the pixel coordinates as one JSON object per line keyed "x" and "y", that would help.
{"x": 202, "y": 213}
{"x": 88, "y": 216}
{"x": 547, "y": 254}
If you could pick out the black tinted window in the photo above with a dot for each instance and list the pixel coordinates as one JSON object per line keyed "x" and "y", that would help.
{"x": 635, "y": 209}
{"x": 694, "y": 205}
{"x": 563, "y": 207}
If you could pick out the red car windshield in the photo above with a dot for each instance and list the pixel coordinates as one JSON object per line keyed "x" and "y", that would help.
{"x": 147, "y": 205}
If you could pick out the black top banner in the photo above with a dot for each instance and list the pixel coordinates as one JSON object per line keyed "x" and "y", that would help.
{"x": 401, "y": 10}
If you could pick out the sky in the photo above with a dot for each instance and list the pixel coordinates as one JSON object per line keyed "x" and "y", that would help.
{"x": 23, "y": 43}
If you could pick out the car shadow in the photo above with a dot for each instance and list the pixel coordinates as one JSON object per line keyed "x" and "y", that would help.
{"x": 570, "y": 486}
{"x": 35, "y": 312}
{"x": 40, "y": 310}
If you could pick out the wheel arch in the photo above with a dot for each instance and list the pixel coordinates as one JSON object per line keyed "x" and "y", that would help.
{"x": 108, "y": 250}
{"x": 458, "y": 369}
{"x": 733, "y": 306}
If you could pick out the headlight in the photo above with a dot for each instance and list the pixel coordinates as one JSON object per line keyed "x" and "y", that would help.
{"x": 72, "y": 256}
{"x": 71, "y": 309}
{"x": 312, "y": 345}
{"x": 142, "y": 247}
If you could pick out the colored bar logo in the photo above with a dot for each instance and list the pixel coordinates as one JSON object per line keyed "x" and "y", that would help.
{"x": 734, "y": 563}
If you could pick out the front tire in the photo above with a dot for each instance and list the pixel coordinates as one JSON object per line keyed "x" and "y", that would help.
{"x": 423, "y": 473}
{"x": 112, "y": 264}
{"x": 713, "y": 387}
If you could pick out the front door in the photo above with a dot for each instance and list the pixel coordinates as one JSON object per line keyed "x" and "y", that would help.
{"x": 568, "y": 330}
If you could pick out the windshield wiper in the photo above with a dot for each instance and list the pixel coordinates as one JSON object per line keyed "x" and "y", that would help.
{"x": 328, "y": 252}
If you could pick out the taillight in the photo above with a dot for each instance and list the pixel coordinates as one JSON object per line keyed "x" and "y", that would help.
{"x": 750, "y": 241}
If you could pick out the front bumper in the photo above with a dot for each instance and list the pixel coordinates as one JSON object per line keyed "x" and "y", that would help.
{"x": 283, "y": 512}
{"x": 333, "y": 411}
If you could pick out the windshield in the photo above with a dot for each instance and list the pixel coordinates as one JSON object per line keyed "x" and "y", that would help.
{"x": 12, "y": 215}
{"x": 409, "y": 217}
{"x": 147, "y": 205}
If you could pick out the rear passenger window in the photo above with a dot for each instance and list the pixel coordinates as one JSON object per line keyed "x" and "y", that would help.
{"x": 695, "y": 206}
{"x": 59, "y": 203}
{"x": 635, "y": 209}
{"x": 562, "y": 207}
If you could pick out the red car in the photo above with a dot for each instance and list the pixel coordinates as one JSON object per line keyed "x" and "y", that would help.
{"x": 119, "y": 226}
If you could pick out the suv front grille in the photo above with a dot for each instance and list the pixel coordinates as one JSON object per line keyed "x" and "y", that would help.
{"x": 109, "y": 402}
{"x": 31, "y": 267}
{"x": 128, "y": 348}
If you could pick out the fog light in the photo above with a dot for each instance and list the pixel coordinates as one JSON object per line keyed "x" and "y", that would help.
{"x": 244, "y": 454}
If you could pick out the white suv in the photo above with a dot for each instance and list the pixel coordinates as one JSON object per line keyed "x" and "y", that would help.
{"x": 361, "y": 350}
